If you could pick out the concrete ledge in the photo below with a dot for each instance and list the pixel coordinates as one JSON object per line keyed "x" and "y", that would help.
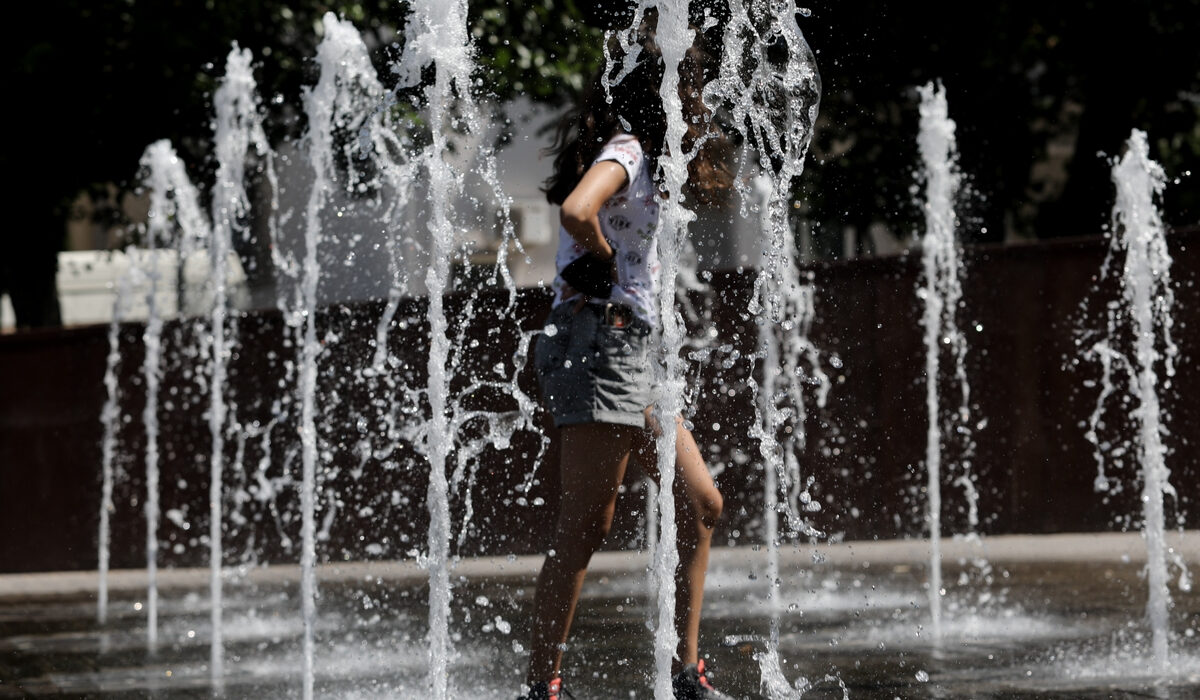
{"x": 1102, "y": 548}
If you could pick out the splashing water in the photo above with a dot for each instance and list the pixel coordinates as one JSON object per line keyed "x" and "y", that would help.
{"x": 437, "y": 35}
{"x": 774, "y": 103}
{"x": 237, "y": 124}
{"x": 788, "y": 361}
{"x": 109, "y": 419}
{"x": 157, "y": 159}
{"x": 1139, "y": 260}
{"x": 774, "y": 683}
{"x": 345, "y": 67}
{"x": 940, "y": 291}
{"x": 389, "y": 148}
{"x": 174, "y": 203}
{"x": 346, "y": 91}
{"x": 774, "y": 107}
{"x": 151, "y": 370}
{"x": 348, "y": 98}
{"x": 674, "y": 37}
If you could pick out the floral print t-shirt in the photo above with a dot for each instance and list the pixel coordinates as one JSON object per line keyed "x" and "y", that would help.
{"x": 629, "y": 221}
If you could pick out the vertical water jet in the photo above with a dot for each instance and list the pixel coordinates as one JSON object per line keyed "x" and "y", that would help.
{"x": 156, "y": 160}
{"x": 174, "y": 204}
{"x": 234, "y": 128}
{"x": 109, "y": 418}
{"x": 437, "y": 36}
{"x": 347, "y": 95}
{"x": 1139, "y": 261}
{"x": 674, "y": 37}
{"x": 940, "y": 291}
{"x": 319, "y": 103}
{"x": 769, "y": 84}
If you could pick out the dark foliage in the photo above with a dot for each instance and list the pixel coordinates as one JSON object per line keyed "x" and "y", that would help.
{"x": 1038, "y": 90}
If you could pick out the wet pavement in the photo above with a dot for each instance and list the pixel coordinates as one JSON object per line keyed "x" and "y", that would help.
{"x": 1051, "y": 617}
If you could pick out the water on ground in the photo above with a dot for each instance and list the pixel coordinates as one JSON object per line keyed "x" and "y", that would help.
{"x": 1039, "y": 629}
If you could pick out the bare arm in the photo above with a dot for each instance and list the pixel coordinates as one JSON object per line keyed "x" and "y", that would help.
{"x": 580, "y": 211}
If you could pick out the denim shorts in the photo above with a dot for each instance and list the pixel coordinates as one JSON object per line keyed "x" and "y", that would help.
{"x": 593, "y": 372}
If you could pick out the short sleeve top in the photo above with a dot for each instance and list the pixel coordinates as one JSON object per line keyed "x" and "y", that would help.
{"x": 629, "y": 222}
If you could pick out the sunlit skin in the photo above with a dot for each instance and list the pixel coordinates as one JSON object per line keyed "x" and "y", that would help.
{"x": 593, "y": 460}
{"x": 580, "y": 212}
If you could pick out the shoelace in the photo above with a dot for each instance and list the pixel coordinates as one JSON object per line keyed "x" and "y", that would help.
{"x": 555, "y": 687}
{"x": 703, "y": 677}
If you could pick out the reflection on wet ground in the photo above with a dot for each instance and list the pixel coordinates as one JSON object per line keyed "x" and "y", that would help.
{"x": 849, "y": 625}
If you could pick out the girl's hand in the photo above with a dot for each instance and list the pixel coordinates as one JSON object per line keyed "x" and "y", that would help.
{"x": 591, "y": 275}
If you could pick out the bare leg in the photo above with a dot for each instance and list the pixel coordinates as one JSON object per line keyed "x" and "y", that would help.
{"x": 594, "y": 457}
{"x": 697, "y": 508}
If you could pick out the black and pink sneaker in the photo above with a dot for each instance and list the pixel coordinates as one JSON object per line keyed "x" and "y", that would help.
{"x": 693, "y": 683}
{"x": 552, "y": 690}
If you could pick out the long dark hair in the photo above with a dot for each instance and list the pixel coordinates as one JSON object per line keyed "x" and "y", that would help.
{"x": 633, "y": 106}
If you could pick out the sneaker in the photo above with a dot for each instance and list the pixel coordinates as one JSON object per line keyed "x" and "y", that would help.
{"x": 547, "y": 691}
{"x": 692, "y": 683}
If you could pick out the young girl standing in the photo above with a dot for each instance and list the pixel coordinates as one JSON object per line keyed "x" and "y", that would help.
{"x": 594, "y": 362}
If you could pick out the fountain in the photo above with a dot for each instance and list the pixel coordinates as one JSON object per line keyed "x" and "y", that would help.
{"x": 174, "y": 202}
{"x": 108, "y": 419}
{"x": 157, "y": 160}
{"x": 774, "y": 107}
{"x": 405, "y": 422}
{"x": 941, "y": 294}
{"x": 1139, "y": 262}
{"x": 442, "y": 26}
{"x": 236, "y": 128}
{"x": 674, "y": 38}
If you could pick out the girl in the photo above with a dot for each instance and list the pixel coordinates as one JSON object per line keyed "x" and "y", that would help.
{"x": 593, "y": 360}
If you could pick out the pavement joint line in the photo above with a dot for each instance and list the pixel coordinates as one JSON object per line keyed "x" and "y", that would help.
{"x": 1098, "y": 548}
